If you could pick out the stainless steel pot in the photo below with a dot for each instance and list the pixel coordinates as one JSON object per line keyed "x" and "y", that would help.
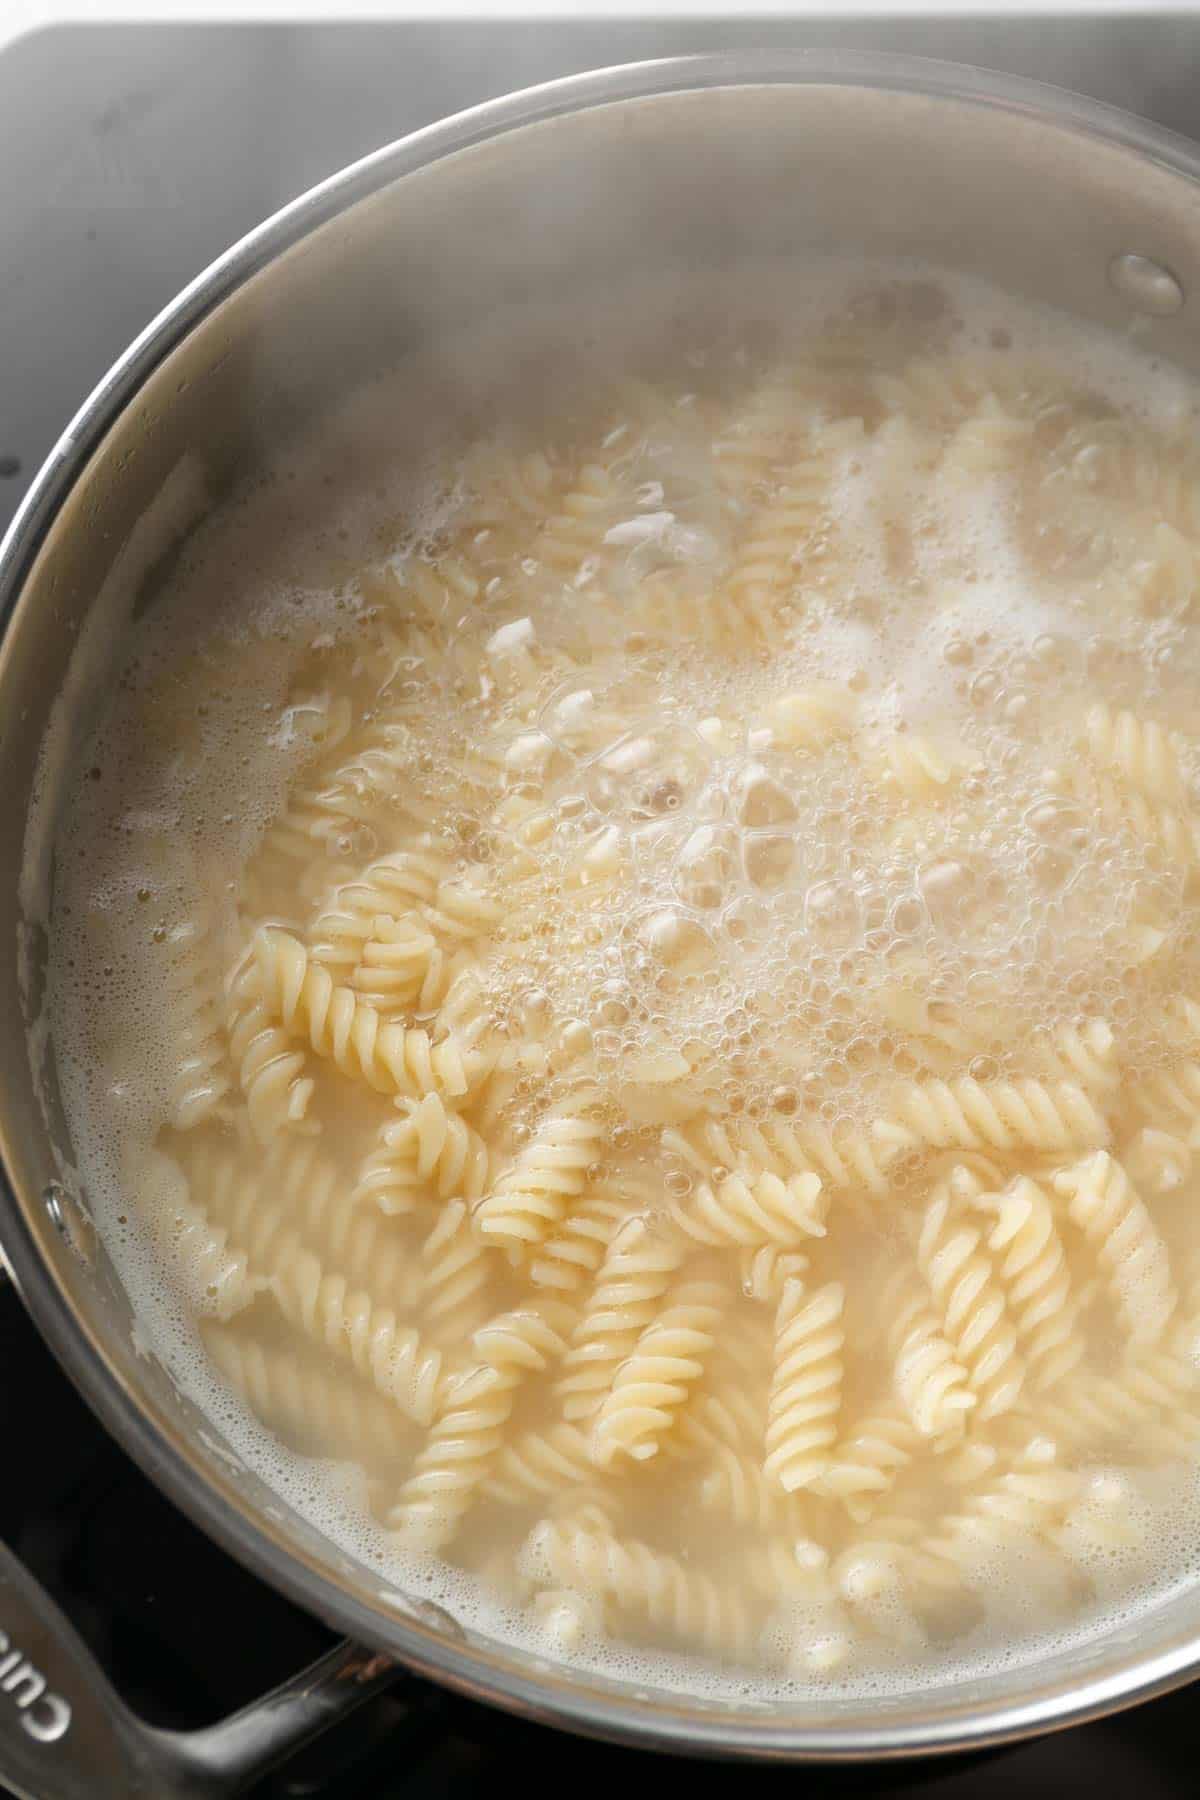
{"x": 691, "y": 165}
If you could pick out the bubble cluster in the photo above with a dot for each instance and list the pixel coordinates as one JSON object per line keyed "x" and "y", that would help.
{"x": 698, "y": 881}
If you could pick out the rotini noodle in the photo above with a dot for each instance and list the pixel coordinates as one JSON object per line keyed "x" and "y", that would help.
{"x": 802, "y": 1416}
{"x": 390, "y": 1058}
{"x": 1113, "y": 1218}
{"x": 970, "y": 1303}
{"x": 654, "y": 1382}
{"x": 530, "y": 1198}
{"x": 469, "y": 1432}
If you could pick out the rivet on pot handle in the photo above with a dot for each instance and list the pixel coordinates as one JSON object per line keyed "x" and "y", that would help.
{"x": 65, "y": 1735}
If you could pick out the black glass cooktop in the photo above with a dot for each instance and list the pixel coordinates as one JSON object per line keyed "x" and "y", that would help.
{"x": 129, "y": 157}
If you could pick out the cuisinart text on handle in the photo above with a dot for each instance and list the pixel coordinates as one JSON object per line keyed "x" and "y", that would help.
{"x": 45, "y": 1716}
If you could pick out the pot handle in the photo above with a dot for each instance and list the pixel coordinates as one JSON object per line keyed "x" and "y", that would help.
{"x": 65, "y": 1734}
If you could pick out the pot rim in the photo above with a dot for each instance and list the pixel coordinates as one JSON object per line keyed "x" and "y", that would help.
{"x": 658, "y": 1723}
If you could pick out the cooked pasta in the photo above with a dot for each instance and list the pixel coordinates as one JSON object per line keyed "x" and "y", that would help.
{"x": 321, "y": 1412}
{"x": 973, "y": 1115}
{"x": 294, "y": 1198}
{"x": 970, "y": 1303}
{"x": 805, "y": 1400}
{"x": 327, "y": 1311}
{"x": 916, "y": 768}
{"x": 457, "y": 1275}
{"x": 393, "y": 1059}
{"x": 203, "y": 1072}
{"x": 1087, "y": 1055}
{"x": 269, "y": 1066}
{"x": 570, "y": 1257}
{"x": 194, "y": 1248}
{"x": 632, "y": 1281}
{"x": 446, "y": 1154}
{"x": 681, "y": 1605}
{"x": 1025, "y": 1501}
{"x": 530, "y": 1198}
{"x": 657, "y": 972}
{"x": 469, "y": 1432}
{"x": 931, "y": 1384}
{"x": 765, "y": 1270}
{"x": 767, "y": 1209}
{"x": 810, "y": 719}
{"x": 654, "y": 1382}
{"x": 868, "y": 1459}
{"x": 1149, "y": 1406}
{"x": 1032, "y": 1263}
{"x": 393, "y": 888}
{"x": 542, "y": 1463}
{"x": 1138, "y": 750}
{"x": 1113, "y": 1218}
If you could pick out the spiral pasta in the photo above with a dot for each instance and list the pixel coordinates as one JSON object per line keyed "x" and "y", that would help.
{"x": 868, "y": 1459}
{"x": 390, "y": 1058}
{"x": 1033, "y": 1267}
{"x": 633, "y": 1278}
{"x": 540, "y": 1464}
{"x": 839, "y": 1158}
{"x": 930, "y": 1383}
{"x": 970, "y": 1303}
{"x": 531, "y": 1197}
{"x": 1026, "y": 1501}
{"x": 758, "y": 438}
{"x": 1149, "y": 1403}
{"x": 802, "y": 1414}
{"x": 916, "y": 768}
{"x": 686, "y": 1608}
{"x": 393, "y": 888}
{"x": 765, "y": 567}
{"x": 737, "y": 1487}
{"x": 765, "y": 1270}
{"x": 1114, "y": 1220}
{"x": 578, "y": 528}
{"x": 429, "y": 1150}
{"x": 571, "y": 1256}
{"x": 664, "y": 1365}
{"x": 1158, "y": 1161}
{"x": 308, "y": 1404}
{"x": 1007, "y": 1115}
{"x": 810, "y": 718}
{"x": 457, "y": 1276}
{"x": 469, "y": 1432}
{"x": 403, "y": 969}
{"x": 295, "y": 1198}
{"x": 763, "y": 1210}
{"x": 1176, "y": 833}
{"x": 211, "y": 1268}
{"x": 1086, "y": 1054}
{"x": 726, "y": 1416}
{"x": 373, "y": 777}
{"x": 1139, "y": 751}
{"x": 203, "y": 1075}
{"x": 270, "y": 1068}
{"x": 1169, "y": 1099}
{"x": 387, "y": 1353}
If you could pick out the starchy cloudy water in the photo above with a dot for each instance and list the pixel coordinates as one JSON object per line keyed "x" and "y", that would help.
{"x": 625, "y": 981}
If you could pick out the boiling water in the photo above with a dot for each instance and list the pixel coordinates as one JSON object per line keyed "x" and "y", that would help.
{"x": 626, "y": 985}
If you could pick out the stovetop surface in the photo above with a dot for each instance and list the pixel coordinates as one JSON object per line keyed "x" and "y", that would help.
{"x": 129, "y": 157}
